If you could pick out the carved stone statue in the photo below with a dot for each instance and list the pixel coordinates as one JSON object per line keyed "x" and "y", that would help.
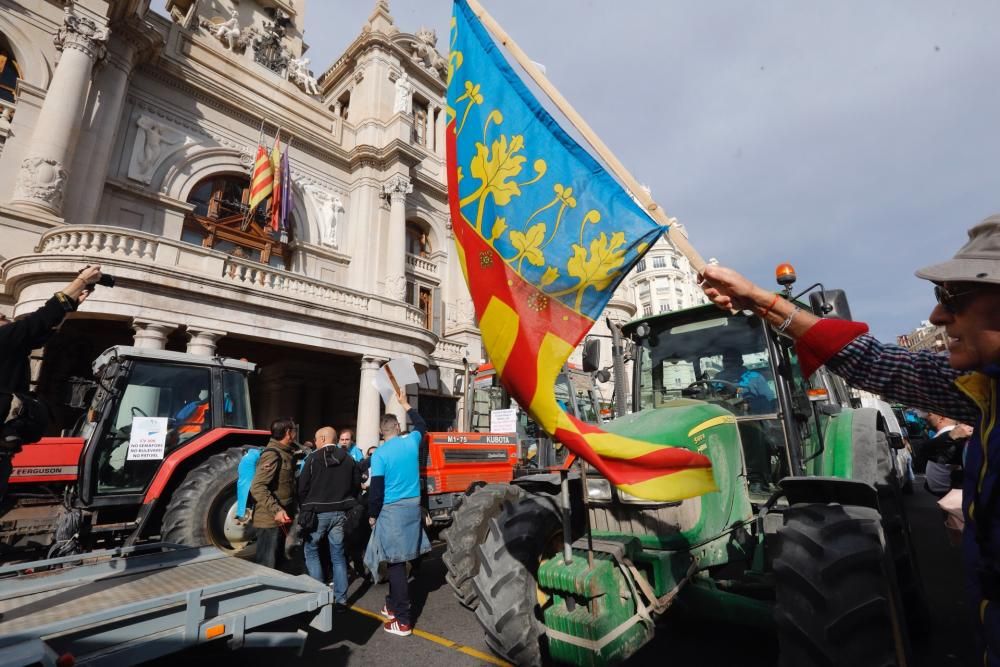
{"x": 228, "y": 32}
{"x": 330, "y": 211}
{"x": 151, "y": 147}
{"x": 404, "y": 95}
{"x": 299, "y": 74}
{"x": 425, "y": 51}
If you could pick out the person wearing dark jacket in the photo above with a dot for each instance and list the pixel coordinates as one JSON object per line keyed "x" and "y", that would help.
{"x": 19, "y": 337}
{"x": 328, "y": 484}
{"x": 944, "y": 452}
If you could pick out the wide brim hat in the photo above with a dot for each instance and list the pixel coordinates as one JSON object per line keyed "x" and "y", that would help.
{"x": 978, "y": 261}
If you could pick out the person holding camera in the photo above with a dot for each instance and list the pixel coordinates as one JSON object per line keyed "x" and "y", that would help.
{"x": 17, "y": 339}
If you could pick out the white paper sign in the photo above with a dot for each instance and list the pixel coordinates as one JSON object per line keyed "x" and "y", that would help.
{"x": 149, "y": 436}
{"x": 503, "y": 421}
{"x": 402, "y": 370}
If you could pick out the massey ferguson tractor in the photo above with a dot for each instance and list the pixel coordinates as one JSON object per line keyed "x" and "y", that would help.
{"x": 805, "y": 536}
{"x": 97, "y": 488}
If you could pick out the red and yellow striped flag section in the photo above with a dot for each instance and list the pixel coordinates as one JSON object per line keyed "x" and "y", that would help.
{"x": 542, "y": 252}
{"x": 262, "y": 181}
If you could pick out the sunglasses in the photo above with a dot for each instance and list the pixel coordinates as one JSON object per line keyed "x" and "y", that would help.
{"x": 953, "y": 302}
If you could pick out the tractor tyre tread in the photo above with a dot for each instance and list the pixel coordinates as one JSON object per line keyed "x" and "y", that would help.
{"x": 833, "y": 609}
{"x": 469, "y": 525}
{"x": 506, "y": 582}
{"x": 185, "y": 520}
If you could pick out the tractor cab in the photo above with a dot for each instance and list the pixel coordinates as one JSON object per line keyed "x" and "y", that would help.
{"x": 155, "y": 452}
{"x": 180, "y": 395}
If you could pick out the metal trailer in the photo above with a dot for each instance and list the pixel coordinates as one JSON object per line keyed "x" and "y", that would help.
{"x": 131, "y": 604}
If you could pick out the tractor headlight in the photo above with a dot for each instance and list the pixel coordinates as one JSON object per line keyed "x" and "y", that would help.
{"x": 636, "y": 500}
{"x": 598, "y": 489}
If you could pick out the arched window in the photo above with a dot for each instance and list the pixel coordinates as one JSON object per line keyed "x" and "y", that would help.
{"x": 10, "y": 73}
{"x": 220, "y": 221}
{"x": 417, "y": 239}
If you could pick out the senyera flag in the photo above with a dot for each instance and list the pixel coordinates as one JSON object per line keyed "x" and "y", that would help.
{"x": 544, "y": 235}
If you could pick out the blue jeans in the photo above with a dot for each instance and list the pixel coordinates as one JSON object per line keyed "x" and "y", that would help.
{"x": 331, "y": 526}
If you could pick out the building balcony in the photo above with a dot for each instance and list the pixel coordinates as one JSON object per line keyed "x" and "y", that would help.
{"x": 421, "y": 266}
{"x": 173, "y": 281}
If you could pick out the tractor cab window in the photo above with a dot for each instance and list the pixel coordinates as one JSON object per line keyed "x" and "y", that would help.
{"x": 236, "y": 401}
{"x": 583, "y": 386}
{"x": 723, "y": 359}
{"x": 180, "y": 395}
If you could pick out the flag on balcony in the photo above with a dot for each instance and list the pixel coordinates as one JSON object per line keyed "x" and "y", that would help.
{"x": 276, "y": 192}
{"x": 262, "y": 179}
{"x": 286, "y": 194}
{"x": 544, "y": 235}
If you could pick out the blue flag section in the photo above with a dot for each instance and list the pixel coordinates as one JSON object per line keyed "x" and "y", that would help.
{"x": 544, "y": 235}
{"x": 548, "y": 208}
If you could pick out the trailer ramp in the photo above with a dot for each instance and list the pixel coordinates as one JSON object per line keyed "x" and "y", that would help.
{"x": 128, "y": 605}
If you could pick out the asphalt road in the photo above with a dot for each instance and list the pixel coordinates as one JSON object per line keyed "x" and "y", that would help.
{"x": 448, "y": 634}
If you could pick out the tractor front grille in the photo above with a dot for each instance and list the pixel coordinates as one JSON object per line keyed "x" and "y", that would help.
{"x": 475, "y": 455}
{"x": 638, "y": 520}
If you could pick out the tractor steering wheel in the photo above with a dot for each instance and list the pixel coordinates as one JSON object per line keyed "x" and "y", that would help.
{"x": 704, "y": 389}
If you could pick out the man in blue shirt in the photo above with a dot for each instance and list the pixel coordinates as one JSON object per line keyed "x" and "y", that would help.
{"x": 751, "y": 384}
{"x": 396, "y": 515}
{"x": 346, "y": 441}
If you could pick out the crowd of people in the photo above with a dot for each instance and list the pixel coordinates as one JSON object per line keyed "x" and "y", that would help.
{"x": 362, "y": 511}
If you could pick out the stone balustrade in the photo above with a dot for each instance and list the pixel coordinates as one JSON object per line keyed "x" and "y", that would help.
{"x": 252, "y": 274}
{"x": 415, "y": 262}
{"x": 139, "y": 248}
{"x": 448, "y": 349}
{"x": 108, "y": 241}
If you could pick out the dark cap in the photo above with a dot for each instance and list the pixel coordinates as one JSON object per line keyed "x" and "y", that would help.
{"x": 978, "y": 261}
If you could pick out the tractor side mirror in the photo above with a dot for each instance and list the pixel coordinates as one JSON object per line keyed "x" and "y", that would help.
{"x": 830, "y": 303}
{"x": 895, "y": 440}
{"x": 591, "y": 355}
{"x": 603, "y": 375}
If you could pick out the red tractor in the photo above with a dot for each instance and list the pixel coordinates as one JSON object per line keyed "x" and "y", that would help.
{"x": 87, "y": 491}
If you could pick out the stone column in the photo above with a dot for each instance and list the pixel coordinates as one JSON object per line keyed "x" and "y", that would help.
{"x": 395, "y": 274}
{"x": 41, "y": 181}
{"x": 131, "y": 44}
{"x": 151, "y": 334}
{"x": 368, "y": 399}
{"x": 201, "y": 342}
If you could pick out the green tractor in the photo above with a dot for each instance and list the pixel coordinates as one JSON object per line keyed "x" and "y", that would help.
{"x": 806, "y": 536}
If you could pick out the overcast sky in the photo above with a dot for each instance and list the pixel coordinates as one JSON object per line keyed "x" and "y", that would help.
{"x": 856, "y": 139}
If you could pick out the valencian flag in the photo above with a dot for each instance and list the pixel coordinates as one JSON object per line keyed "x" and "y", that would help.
{"x": 262, "y": 179}
{"x": 276, "y": 191}
{"x": 544, "y": 235}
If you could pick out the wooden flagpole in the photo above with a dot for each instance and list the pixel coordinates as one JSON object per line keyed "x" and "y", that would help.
{"x": 658, "y": 214}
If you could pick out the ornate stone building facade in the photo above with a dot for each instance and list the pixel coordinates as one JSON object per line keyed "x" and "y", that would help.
{"x": 664, "y": 281}
{"x": 127, "y": 141}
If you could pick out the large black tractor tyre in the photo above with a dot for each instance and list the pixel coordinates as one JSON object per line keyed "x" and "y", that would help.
{"x": 524, "y": 534}
{"x": 469, "y": 525}
{"x": 198, "y": 510}
{"x": 837, "y": 604}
